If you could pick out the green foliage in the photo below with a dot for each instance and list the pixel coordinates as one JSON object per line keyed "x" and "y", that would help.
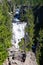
{"x": 5, "y": 31}
{"x": 20, "y": 2}
{"x": 39, "y": 52}
{"x": 5, "y": 28}
{"x": 30, "y": 27}
{"x": 23, "y": 45}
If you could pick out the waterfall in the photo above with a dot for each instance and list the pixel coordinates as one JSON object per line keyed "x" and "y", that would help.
{"x": 18, "y": 30}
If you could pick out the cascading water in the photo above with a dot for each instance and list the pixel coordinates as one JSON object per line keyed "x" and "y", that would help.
{"x": 18, "y": 32}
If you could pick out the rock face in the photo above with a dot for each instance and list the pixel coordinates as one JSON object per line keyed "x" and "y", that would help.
{"x": 30, "y": 60}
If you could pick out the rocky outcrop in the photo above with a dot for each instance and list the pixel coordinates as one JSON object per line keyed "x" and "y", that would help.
{"x": 30, "y": 60}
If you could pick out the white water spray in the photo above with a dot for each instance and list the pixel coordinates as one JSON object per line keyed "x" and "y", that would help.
{"x": 18, "y": 32}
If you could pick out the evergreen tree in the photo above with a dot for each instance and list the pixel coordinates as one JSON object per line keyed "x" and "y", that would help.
{"x": 5, "y": 31}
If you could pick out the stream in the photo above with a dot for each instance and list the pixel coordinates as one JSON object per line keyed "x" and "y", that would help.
{"x": 18, "y": 29}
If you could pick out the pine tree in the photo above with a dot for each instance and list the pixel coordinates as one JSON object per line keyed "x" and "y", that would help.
{"x": 5, "y": 31}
